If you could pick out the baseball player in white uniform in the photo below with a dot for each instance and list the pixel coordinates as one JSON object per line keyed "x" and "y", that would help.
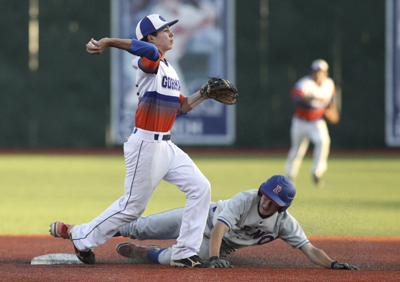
{"x": 250, "y": 218}
{"x": 313, "y": 94}
{"x": 150, "y": 156}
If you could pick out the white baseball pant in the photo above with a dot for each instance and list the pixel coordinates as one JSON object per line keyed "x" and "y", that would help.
{"x": 148, "y": 161}
{"x": 301, "y": 132}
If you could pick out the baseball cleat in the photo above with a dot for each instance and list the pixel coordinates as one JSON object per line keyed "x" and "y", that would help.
{"x": 59, "y": 229}
{"x": 192, "y": 262}
{"x": 132, "y": 251}
{"x": 86, "y": 257}
{"x": 318, "y": 181}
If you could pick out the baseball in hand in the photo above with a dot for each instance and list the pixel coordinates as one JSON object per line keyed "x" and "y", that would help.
{"x": 90, "y": 44}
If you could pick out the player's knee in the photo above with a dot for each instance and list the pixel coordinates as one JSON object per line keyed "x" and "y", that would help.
{"x": 203, "y": 187}
{"x": 322, "y": 141}
{"x": 206, "y": 186}
{"x": 319, "y": 142}
{"x": 125, "y": 230}
{"x": 328, "y": 141}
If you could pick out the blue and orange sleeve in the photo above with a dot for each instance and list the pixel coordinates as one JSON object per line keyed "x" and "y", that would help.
{"x": 144, "y": 49}
{"x": 296, "y": 94}
{"x": 147, "y": 65}
{"x": 149, "y": 55}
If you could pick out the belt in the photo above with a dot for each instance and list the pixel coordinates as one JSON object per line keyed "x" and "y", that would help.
{"x": 148, "y": 135}
{"x": 164, "y": 138}
{"x": 310, "y": 120}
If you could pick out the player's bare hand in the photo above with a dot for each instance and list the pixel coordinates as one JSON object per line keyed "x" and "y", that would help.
{"x": 220, "y": 263}
{"x": 97, "y": 47}
{"x": 341, "y": 265}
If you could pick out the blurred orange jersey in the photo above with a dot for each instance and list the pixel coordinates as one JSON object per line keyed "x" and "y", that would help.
{"x": 321, "y": 96}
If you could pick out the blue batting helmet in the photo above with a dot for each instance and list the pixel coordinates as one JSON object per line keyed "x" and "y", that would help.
{"x": 280, "y": 190}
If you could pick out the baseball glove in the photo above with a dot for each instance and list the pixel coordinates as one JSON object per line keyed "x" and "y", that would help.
{"x": 220, "y": 263}
{"x": 341, "y": 265}
{"x": 331, "y": 115}
{"x": 221, "y": 90}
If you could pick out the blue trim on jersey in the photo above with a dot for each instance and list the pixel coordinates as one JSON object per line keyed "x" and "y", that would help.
{"x": 150, "y": 95}
{"x": 153, "y": 254}
{"x": 165, "y": 62}
{"x": 144, "y": 49}
{"x": 301, "y": 244}
{"x": 130, "y": 194}
{"x": 227, "y": 223}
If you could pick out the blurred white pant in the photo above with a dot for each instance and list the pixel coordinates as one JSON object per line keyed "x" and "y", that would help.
{"x": 301, "y": 132}
{"x": 148, "y": 161}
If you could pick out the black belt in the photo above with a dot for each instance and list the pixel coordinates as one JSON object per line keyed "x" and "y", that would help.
{"x": 164, "y": 138}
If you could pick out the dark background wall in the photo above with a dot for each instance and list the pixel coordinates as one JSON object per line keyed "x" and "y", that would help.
{"x": 65, "y": 103}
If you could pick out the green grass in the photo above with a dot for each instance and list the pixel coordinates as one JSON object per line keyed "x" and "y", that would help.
{"x": 361, "y": 196}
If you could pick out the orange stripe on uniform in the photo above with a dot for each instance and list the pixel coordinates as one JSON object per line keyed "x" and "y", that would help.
{"x": 309, "y": 114}
{"x": 149, "y": 65}
{"x": 147, "y": 122}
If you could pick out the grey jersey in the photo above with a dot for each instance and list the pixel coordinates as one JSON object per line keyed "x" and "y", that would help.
{"x": 248, "y": 228}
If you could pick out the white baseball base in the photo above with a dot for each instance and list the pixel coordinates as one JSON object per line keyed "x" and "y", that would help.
{"x": 56, "y": 259}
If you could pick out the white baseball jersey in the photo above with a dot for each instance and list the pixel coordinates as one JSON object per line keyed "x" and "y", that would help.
{"x": 248, "y": 228}
{"x": 322, "y": 94}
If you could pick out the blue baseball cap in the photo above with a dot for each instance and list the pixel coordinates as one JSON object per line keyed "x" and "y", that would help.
{"x": 150, "y": 24}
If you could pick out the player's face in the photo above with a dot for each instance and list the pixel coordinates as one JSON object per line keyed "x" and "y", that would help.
{"x": 164, "y": 39}
{"x": 267, "y": 207}
{"x": 319, "y": 76}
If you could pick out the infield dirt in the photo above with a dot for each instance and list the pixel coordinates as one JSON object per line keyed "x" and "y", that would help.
{"x": 378, "y": 258}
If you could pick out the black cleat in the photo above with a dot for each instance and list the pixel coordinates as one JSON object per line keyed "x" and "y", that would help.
{"x": 318, "y": 181}
{"x": 87, "y": 257}
{"x": 192, "y": 262}
{"x": 63, "y": 230}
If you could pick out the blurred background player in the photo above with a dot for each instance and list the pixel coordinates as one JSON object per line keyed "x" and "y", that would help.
{"x": 250, "y": 218}
{"x": 314, "y": 96}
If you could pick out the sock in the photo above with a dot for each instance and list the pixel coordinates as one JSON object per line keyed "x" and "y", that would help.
{"x": 153, "y": 254}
